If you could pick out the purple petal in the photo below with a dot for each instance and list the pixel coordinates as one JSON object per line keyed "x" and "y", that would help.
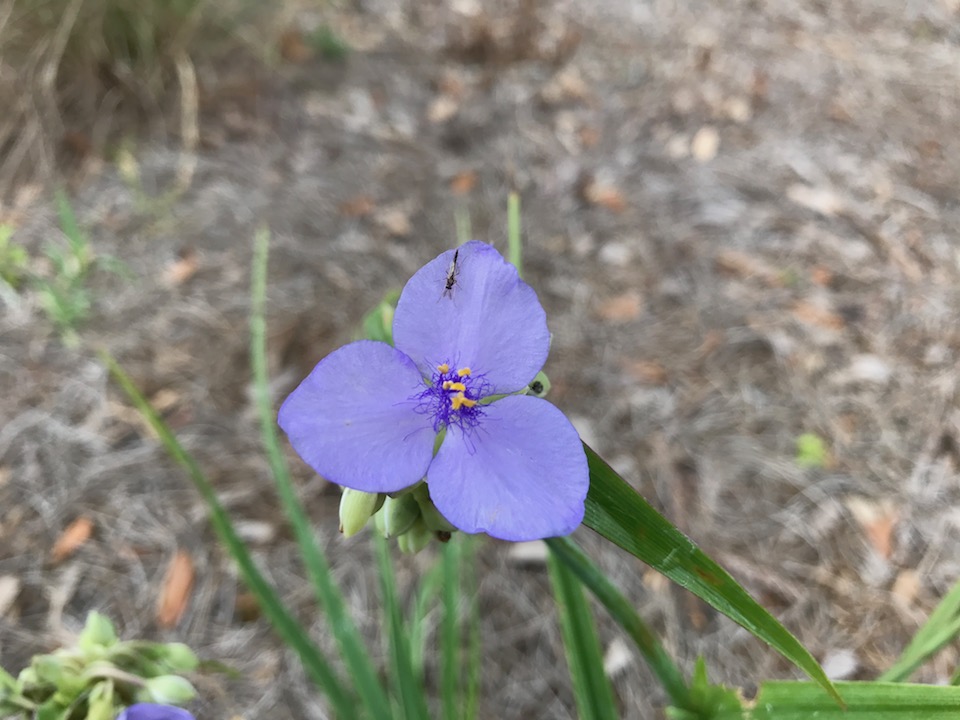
{"x": 490, "y": 320}
{"x": 520, "y": 475}
{"x": 353, "y": 420}
{"x": 149, "y": 711}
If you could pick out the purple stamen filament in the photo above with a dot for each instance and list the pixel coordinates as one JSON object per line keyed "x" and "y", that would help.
{"x": 452, "y": 397}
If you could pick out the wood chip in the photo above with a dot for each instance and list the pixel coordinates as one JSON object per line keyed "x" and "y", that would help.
{"x": 819, "y": 199}
{"x": 246, "y": 607}
{"x": 442, "y": 109}
{"x": 463, "y": 182}
{"x": 617, "y": 658}
{"x": 906, "y": 587}
{"x": 705, "y": 144}
{"x": 622, "y": 308}
{"x": 395, "y": 221}
{"x": 175, "y": 593}
{"x": 9, "y": 589}
{"x": 528, "y": 553}
{"x": 70, "y": 540}
{"x": 821, "y": 276}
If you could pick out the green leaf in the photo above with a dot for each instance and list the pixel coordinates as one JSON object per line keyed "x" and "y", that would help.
{"x": 591, "y": 687}
{"x": 662, "y": 665}
{"x": 811, "y": 451}
{"x": 408, "y": 684}
{"x": 941, "y": 627}
{"x": 707, "y": 701}
{"x": 474, "y": 648}
{"x": 865, "y": 701}
{"x": 327, "y": 593}
{"x": 451, "y": 687}
{"x": 621, "y": 515}
{"x": 514, "y": 240}
{"x": 292, "y": 633}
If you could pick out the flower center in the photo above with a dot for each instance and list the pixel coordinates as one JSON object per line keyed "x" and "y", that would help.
{"x": 451, "y": 397}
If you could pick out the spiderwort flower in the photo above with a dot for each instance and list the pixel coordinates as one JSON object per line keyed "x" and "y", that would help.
{"x": 149, "y": 711}
{"x": 468, "y": 332}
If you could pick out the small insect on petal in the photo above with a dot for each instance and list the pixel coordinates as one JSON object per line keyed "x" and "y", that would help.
{"x": 452, "y": 273}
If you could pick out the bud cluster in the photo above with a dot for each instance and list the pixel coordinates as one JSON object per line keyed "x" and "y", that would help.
{"x": 98, "y": 677}
{"x": 409, "y": 516}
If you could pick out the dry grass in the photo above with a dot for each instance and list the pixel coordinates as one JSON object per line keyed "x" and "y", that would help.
{"x": 76, "y": 73}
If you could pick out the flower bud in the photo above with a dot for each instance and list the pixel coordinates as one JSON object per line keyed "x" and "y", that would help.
{"x": 100, "y": 702}
{"x": 179, "y": 657}
{"x": 398, "y": 515}
{"x": 428, "y": 511}
{"x": 98, "y": 633}
{"x": 416, "y": 538}
{"x": 168, "y": 690}
{"x": 356, "y": 508}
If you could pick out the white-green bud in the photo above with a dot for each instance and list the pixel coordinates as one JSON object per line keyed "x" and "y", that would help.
{"x": 168, "y": 690}
{"x": 399, "y": 514}
{"x": 428, "y": 511}
{"x": 356, "y": 508}
{"x": 98, "y": 633}
{"x": 416, "y": 538}
{"x": 179, "y": 657}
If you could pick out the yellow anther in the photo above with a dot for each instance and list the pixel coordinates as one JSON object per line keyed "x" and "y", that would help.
{"x": 460, "y": 400}
{"x": 463, "y": 372}
{"x": 460, "y": 387}
{"x": 443, "y": 368}
{"x": 446, "y": 384}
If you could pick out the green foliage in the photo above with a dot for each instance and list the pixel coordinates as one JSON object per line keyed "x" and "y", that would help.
{"x": 812, "y": 451}
{"x": 98, "y": 677}
{"x": 328, "y": 44}
{"x": 864, "y": 701}
{"x": 13, "y": 259}
{"x": 591, "y": 687}
{"x": 706, "y": 701}
{"x": 941, "y": 628}
{"x": 621, "y": 515}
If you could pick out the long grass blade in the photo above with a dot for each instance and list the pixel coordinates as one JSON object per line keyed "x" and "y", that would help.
{"x": 408, "y": 685}
{"x": 290, "y": 631}
{"x": 474, "y": 649}
{"x": 514, "y": 244}
{"x": 865, "y": 701}
{"x": 591, "y": 687}
{"x": 621, "y": 515}
{"x": 572, "y": 556}
{"x": 354, "y": 653}
{"x": 451, "y": 655}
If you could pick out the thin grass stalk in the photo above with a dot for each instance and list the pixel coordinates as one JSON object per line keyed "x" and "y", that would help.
{"x": 287, "y": 627}
{"x": 328, "y": 596}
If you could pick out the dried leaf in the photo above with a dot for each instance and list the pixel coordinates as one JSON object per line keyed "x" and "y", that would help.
{"x": 878, "y": 520}
{"x": 605, "y": 196}
{"x": 358, "y": 206}
{"x": 175, "y": 593}
{"x": 464, "y": 182}
{"x": 182, "y": 269}
{"x": 246, "y": 608}
{"x": 293, "y": 47}
{"x": 748, "y": 266}
{"x": 622, "y": 308}
{"x": 70, "y": 540}
{"x": 647, "y": 372}
{"x": 809, "y": 313}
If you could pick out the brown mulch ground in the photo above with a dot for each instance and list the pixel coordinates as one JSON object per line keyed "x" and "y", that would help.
{"x": 740, "y": 218}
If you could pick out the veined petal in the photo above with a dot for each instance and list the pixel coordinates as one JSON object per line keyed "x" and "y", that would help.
{"x": 489, "y": 319}
{"x": 521, "y": 475}
{"x": 353, "y": 421}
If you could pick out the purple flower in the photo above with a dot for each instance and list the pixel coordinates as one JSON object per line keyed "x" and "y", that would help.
{"x": 467, "y": 329}
{"x": 149, "y": 711}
